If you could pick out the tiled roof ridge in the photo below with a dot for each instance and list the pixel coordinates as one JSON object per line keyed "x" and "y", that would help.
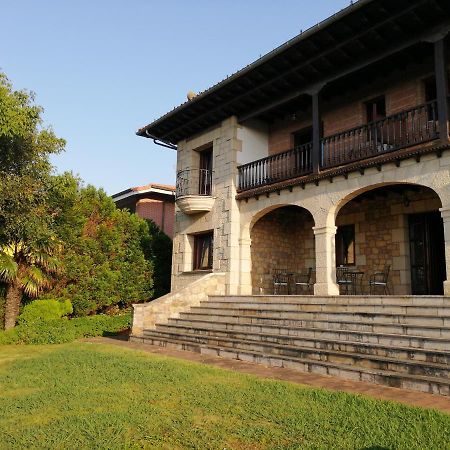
{"x": 164, "y": 187}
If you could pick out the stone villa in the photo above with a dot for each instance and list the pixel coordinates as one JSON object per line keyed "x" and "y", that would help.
{"x": 308, "y": 174}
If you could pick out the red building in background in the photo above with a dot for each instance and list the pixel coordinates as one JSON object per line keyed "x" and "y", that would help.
{"x": 152, "y": 201}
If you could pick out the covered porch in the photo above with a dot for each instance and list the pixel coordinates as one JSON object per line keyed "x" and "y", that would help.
{"x": 396, "y": 228}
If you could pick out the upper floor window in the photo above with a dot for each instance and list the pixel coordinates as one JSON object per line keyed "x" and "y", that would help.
{"x": 376, "y": 109}
{"x": 203, "y": 251}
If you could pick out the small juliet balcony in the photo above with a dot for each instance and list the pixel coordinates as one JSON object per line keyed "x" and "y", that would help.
{"x": 394, "y": 133}
{"x": 194, "y": 190}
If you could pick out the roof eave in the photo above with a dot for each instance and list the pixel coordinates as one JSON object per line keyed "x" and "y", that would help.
{"x": 263, "y": 59}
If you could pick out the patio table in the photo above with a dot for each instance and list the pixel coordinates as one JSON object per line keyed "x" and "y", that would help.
{"x": 353, "y": 276}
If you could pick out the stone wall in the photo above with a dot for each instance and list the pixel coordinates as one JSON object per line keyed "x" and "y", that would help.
{"x": 223, "y": 219}
{"x": 147, "y": 315}
{"x": 282, "y": 239}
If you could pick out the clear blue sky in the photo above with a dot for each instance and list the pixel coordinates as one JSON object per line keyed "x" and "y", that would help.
{"x": 103, "y": 68}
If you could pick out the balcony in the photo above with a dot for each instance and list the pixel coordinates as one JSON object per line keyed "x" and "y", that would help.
{"x": 393, "y": 133}
{"x": 194, "y": 190}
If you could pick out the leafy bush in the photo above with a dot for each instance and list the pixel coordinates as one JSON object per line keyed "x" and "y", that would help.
{"x": 43, "y": 310}
{"x": 103, "y": 260}
{"x": 57, "y": 331}
{"x": 157, "y": 248}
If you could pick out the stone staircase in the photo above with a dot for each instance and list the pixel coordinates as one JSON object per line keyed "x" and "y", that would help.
{"x": 395, "y": 341}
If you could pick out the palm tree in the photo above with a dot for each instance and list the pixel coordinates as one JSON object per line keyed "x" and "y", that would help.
{"x": 26, "y": 270}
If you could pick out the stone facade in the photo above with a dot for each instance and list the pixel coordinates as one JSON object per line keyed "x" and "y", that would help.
{"x": 246, "y": 248}
{"x": 232, "y": 220}
{"x": 284, "y": 238}
{"x": 382, "y": 223}
{"x": 223, "y": 219}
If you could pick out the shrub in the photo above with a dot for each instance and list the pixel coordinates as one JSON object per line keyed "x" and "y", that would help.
{"x": 43, "y": 310}
{"x": 157, "y": 248}
{"x": 9, "y": 337}
{"x": 104, "y": 263}
{"x": 58, "y": 331}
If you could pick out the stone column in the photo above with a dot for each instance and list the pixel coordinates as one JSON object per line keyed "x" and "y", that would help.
{"x": 445, "y": 213}
{"x": 325, "y": 261}
{"x": 245, "y": 266}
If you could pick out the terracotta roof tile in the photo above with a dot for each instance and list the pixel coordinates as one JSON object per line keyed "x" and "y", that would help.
{"x": 163, "y": 187}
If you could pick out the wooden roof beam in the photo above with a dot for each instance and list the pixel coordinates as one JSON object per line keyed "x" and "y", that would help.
{"x": 349, "y": 70}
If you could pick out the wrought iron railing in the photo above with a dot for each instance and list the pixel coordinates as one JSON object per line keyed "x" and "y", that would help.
{"x": 194, "y": 182}
{"x": 282, "y": 166}
{"x": 413, "y": 126}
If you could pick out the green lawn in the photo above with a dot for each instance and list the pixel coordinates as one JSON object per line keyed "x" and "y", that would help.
{"x": 95, "y": 396}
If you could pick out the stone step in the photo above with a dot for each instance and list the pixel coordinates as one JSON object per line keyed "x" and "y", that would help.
{"x": 432, "y": 301}
{"x": 399, "y": 340}
{"x": 423, "y": 383}
{"x": 322, "y": 343}
{"x": 425, "y": 311}
{"x": 407, "y": 319}
{"x": 347, "y": 358}
{"x": 339, "y": 325}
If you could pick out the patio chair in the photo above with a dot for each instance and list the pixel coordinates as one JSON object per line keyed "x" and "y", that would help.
{"x": 380, "y": 280}
{"x": 303, "y": 281}
{"x": 281, "y": 281}
{"x": 343, "y": 279}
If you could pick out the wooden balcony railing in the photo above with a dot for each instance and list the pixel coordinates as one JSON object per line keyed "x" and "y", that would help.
{"x": 410, "y": 127}
{"x": 413, "y": 126}
{"x": 282, "y": 166}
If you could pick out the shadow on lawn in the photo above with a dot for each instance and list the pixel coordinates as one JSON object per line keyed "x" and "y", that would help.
{"x": 120, "y": 336}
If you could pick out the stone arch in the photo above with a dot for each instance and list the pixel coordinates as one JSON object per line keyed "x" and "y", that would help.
{"x": 434, "y": 179}
{"x": 356, "y": 193}
{"x": 263, "y": 212}
{"x": 380, "y": 217}
{"x": 281, "y": 237}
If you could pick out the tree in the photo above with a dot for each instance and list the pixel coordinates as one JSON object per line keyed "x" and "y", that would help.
{"x": 25, "y": 270}
{"x": 104, "y": 264}
{"x": 25, "y": 221}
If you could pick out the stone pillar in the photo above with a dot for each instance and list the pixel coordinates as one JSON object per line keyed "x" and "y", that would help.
{"x": 245, "y": 266}
{"x": 445, "y": 213}
{"x": 325, "y": 261}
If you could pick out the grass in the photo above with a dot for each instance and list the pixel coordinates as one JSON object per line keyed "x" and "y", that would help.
{"x": 92, "y": 396}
